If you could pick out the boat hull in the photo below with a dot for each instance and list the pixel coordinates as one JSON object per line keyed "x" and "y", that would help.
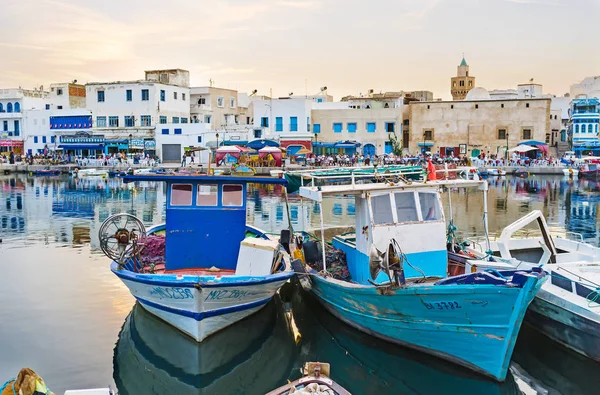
{"x": 200, "y": 306}
{"x": 566, "y": 323}
{"x": 475, "y": 326}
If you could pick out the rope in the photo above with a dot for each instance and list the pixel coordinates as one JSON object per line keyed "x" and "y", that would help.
{"x": 594, "y": 299}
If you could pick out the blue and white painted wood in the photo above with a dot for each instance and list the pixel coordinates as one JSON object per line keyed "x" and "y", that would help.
{"x": 204, "y": 231}
{"x": 472, "y": 320}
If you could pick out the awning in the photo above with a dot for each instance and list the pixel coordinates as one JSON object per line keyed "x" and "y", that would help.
{"x": 425, "y": 144}
{"x": 532, "y": 142}
{"x": 324, "y": 145}
{"x": 235, "y": 142}
{"x": 82, "y": 146}
{"x": 261, "y": 143}
{"x": 347, "y": 144}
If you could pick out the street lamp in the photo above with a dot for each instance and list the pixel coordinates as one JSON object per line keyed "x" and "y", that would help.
{"x": 507, "y": 148}
{"x": 129, "y": 146}
{"x": 217, "y": 136}
{"x": 424, "y": 138}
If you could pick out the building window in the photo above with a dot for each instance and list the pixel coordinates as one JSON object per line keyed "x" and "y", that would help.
{"x": 113, "y": 122}
{"x": 177, "y": 131}
{"x": 59, "y": 91}
{"x": 428, "y": 135}
{"x": 199, "y": 139}
{"x": 44, "y": 140}
{"x": 232, "y": 102}
{"x": 163, "y": 119}
{"x": 550, "y": 116}
{"x": 175, "y": 95}
{"x": 293, "y": 124}
{"x": 129, "y": 95}
{"x": 470, "y": 83}
{"x": 337, "y": 128}
{"x": 452, "y": 106}
{"x": 183, "y": 96}
{"x": 183, "y": 120}
{"x": 462, "y": 83}
{"x": 207, "y": 118}
{"x": 201, "y": 101}
{"x": 175, "y": 119}
{"x": 563, "y": 135}
{"x": 9, "y": 107}
{"x": 52, "y": 139}
{"x": 163, "y": 95}
{"x": 100, "y": 96}
{"x": 17, "y": 128}
{"x": 35, "y": 139}
{"x": 18, "y": 107}
{"x": 526, "y": 134}
{"x": 316, "y": 127}
{"x": 576, "y": 129}
{"x": 547, "y": 138}
{"x": 390, "y": 127}
{"x": 501, "y": 134}
{"x": 527, "y": 105}
{"x": 264, "y": 122}
{"x": 145, "y": 95}
{"x": 351, "y": 127}
{"x": 5, "y": 126}
{"x": 146, "y": 120}
{"x": 101, "y": 122}
{"x": 165, "y": 131}
{"x": 47, "y": 107}
{"x": 279, "y": 124}
{"x": 129, "y": 121}
{"x": 220, "y": 101}
{"x": 371, "y": 126}
{"x": 476, "y": 106}
{"x": 502, "y": 105}
{"x": 590, "y": 128}
{"x": 428, "y": 107}
{"x": 454, "y": 84}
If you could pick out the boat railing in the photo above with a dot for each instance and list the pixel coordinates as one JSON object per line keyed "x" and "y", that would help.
{"x": 479, "y": 240}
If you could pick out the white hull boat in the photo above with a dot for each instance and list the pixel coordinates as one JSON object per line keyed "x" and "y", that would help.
{"x": 570, "y": 172}
{"x": 88, "y": 173}
{"x": 567, "y": 307}
{"x": 204, "y": 269}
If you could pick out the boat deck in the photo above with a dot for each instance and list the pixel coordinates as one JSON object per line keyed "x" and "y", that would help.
{"x": 160, "y": 269}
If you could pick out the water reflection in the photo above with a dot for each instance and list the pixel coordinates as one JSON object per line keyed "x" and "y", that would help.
{"x": 251, "y": 357}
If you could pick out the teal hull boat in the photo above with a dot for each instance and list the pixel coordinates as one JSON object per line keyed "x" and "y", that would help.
{"x": 471, "y": 320}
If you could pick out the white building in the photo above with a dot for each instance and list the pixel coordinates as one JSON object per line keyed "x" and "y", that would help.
{"x": 132, "y": 110}
{"x": 13, "y": 104}
{"x": 586, "y": 89}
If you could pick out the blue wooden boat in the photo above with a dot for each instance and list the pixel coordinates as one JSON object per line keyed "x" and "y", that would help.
{"x": 204, "y": 269}
{"x": 399, "y": 289}
{"x": 45, "y": 173}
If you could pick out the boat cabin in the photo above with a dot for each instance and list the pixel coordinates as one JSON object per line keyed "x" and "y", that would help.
{"x": 410, "y": 213}
{"x": 206, "y": 220}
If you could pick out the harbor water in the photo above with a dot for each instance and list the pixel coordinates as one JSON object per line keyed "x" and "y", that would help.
{"x": 65, "y": 315}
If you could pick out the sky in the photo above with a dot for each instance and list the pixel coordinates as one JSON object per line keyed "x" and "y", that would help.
{"x": 298, "y": 46}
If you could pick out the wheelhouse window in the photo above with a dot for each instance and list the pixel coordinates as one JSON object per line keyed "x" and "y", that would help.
{"x": 207, "y": 195}
{"x": 406, "y": 208}
{"x": 233, "y": 195}
{"x": 430, "y": 206}
{"x": 382, "y": 209}
{"x": 181, "y": 195}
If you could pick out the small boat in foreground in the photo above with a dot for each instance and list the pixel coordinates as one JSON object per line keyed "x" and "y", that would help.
{"x": 204, "y": 269}
{"x": 89, "y": 173}
{"x": 590, "y": 168}
{"x": 315, "y": 381}
{"x": 398, "y": 288}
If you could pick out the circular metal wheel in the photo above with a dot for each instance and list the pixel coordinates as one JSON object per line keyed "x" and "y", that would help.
{"x": 121, "y": 236}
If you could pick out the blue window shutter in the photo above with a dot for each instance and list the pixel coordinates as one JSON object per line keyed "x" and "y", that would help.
{"x": 337, "y": 128}
{"x": 351, "y": 127}
{"x": 165, "y": 131}
{"x": 35, "y": 139}
{"x": 43, "y": 139}
{"x": 199, "y": 139}
{"x": 371, "y": 127}
{"x": 317, "y": 128}
{"x": 293, "y": 124}
{"x": 177, "y": 131}
{"x": 279, "y": 124}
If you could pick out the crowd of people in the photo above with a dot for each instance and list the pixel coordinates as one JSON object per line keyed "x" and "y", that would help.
{"x": 115, "y": 159}
{"x": 337, "y": 160}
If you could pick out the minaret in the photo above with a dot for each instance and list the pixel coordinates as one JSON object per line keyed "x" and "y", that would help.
{"x": 462, "y": 83}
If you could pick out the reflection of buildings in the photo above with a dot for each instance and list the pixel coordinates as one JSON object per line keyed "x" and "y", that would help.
{"x": 12, "y": 213}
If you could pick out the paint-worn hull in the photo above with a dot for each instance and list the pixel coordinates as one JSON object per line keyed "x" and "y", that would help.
{"x": 200, "y": 306}
{"x": 475, "y": 326}
{"x": 558, "y": 319}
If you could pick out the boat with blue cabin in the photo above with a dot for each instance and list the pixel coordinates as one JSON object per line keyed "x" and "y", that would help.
{"x": 399, "y": 289}
{"x": 204, "y": 269}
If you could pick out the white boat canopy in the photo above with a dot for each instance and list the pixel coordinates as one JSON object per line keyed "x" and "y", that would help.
{"x": 522, "y": 148}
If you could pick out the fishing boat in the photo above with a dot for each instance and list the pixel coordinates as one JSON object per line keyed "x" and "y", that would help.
{"x": 315, "y": 380}
{"x": 299, "y": 178}
{"x": 45, "y": 173}
{"x": 88, "y": 173}
{"x": 204, "y": 269}
{"x": 398, "y": 288}
{"x": 590, "y": 167}
{"x": 496, "y": 172}
{"x": 567, "y": 308}
{"x": 243, "y": 170}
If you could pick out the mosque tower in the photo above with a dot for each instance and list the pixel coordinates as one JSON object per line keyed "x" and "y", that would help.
{"x": 462, "y": 83}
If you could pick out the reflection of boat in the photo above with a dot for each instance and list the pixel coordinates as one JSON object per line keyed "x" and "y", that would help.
{"x": 399, "y": 289}
{"x": 210, "y": 270}
{"x": 551, "y": 368}
{"x": 367, "y": 365}
{"x": 521, "y": 173}
{"x": 252, "y": 356}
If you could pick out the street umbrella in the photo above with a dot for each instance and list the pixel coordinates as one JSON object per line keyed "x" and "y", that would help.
{"x": 522, "y": 148}
{"x": 303, "y": 151}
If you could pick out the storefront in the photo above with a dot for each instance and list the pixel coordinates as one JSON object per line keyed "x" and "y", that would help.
{"x": 82, "y": 144}
{"x": 7, "y": 146}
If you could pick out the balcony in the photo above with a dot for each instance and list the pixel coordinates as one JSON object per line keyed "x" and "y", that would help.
{"x": 11, "y": 115}
{"x": 200, "y": 107}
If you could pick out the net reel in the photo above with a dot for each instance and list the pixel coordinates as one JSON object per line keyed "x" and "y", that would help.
{"x": 390, "y": 262}
{"x": 122, "y": 236}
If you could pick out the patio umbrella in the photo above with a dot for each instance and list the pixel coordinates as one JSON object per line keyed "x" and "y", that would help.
{"x": 303, "y": 151}
{"x": 522, "y": 148}
{"x": 262, "y": 143}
